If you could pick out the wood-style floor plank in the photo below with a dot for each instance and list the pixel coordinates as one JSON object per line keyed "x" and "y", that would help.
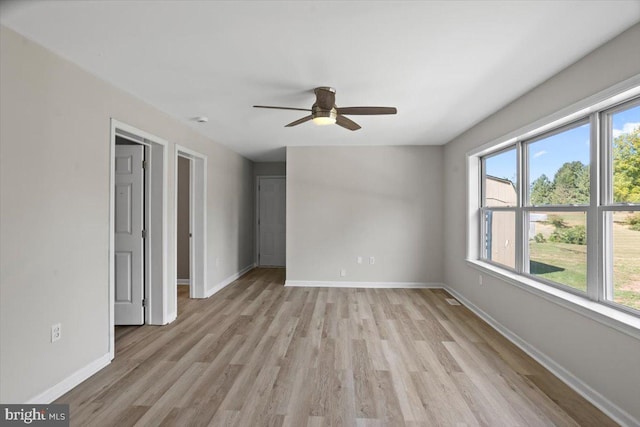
{"x": 260, "y": 354}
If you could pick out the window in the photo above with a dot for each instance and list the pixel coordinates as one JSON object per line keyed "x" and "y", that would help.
{"x": 561, "y": 206}
{"x": 557, "y": 200}
{"x": 500, "y": 198}
{"x": 621, "y": 205}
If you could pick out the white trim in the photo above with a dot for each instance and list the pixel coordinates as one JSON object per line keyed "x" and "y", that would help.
{"x": 372, "y": 285}
{"x": 598, "y": 400}
{"x": 226, "y": 282}
{"x": 57, "y": 390}
{"x": 183, "y": 281}
{"x": 172, "y": 316}
{"x": 189, "y": 153}
{"x": 197, "y": 219}
{"x": 585, "y": 111}
{"x": 256, "y": 237}
{"x": 612, "y": 410}
{"x": 608, "y": 316}
{"x": 112, "y": 241}
{"x": 154, "y": 313}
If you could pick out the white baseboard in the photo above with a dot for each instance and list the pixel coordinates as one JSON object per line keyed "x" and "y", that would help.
{"x": 184, "y": 281}
{"x": 226, "y": 282}
{"x": 378, "y": 285}
{"x": 71, "y": 381}
{"x": 82, "y": 374}
{"x": 612, "y": 410}
{"x": 598, "y": 400}
{"x": 170, "y": 318}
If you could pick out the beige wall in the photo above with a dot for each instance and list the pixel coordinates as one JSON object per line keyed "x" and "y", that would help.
{"x": 603, "y": 358}
{"x": 345, "y": 202}
{"x": 270, "y": 169}
{"x": 183, "y": 219}
{"x": 342, "y": 202}
{"x": 54, "y": 212}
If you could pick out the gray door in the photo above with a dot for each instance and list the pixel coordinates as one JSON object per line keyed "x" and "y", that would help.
{"x": 271, "y": 223}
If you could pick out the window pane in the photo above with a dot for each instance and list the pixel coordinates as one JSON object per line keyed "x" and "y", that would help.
{"x": 625, "y": 229}
{"x": 558, "y": 247}
{"x": 559, "y": 168}
{"x": 500, "y": 238}
{"x": 626, "y": 155}
{"x": 500, "y": 179}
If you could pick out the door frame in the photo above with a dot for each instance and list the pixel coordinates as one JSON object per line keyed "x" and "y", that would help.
{"x": 197, "y": 221}
{"x": 257, "y": 222}
{"x": 156, "y": 218}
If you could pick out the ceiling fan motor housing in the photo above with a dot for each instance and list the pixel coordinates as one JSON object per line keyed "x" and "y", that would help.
{"x": 321, "y": 112}
{"x": 325, "y": 103}
{"x": 324, "y": 88}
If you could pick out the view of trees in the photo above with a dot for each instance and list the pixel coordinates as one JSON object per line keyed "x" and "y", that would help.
{"x": 570, "y": 184}
{"x": 626, "y": 167}
{"x": 557, "y": 240}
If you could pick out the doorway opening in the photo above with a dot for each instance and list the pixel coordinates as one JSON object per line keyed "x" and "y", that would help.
{"x": 183, "y": 228}
{"x": 137, "y": 268}
{"x": 271, "y": 221}
{"x": 191, "y": 221}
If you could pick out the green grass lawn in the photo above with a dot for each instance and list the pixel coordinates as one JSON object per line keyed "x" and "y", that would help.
{"x": 560, "y": 262}
{"x": 567, "y": 264}
{"x": 626, "y": 264}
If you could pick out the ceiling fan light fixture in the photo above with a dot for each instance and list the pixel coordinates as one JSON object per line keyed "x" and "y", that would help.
{"x": 322, "y": 121}
{"x": 324, "y": 111}
{"x": 323, "y": 117}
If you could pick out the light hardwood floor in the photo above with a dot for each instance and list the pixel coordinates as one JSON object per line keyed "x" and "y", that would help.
{"x": 260, "y": 354}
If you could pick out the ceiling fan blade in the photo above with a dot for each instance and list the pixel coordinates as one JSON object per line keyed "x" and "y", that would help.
{"x": 299, "y": 121}
{"x": 367, "y": 111}
{"x": 281, "y": 108}
{"x": 346, "y": 123}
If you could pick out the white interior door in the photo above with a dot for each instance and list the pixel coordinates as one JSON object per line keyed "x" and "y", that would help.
{"x": 129, "y": 242}
{"x": 272, "y": 221}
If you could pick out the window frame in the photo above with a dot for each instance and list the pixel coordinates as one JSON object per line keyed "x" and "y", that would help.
{"x": 483, "y": 248}
{"x": 594, "y": 302}
{"x": 606, "y": 205}
{"x": 528, "y": 207}
{"x": 484, "y": 209}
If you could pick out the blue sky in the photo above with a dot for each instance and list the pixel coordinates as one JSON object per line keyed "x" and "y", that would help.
{"x": 549, "y": 154}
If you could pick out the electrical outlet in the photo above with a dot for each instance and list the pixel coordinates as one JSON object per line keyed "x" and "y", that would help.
{"x": 479, "y": 279}
{"x": 56, "y": 332}
{"x": 372, "y": 260}
{"x": 359, "y": 260}
{"x": 343, "y": 272}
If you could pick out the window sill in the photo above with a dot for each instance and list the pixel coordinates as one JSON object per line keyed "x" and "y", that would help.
{"x": 609, "y": 316}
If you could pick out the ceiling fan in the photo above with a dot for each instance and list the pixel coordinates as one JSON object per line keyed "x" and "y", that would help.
{"x": 325, "y": 112}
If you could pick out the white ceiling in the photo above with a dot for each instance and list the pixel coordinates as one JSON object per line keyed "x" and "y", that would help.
{"x": 445, "y": 65}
